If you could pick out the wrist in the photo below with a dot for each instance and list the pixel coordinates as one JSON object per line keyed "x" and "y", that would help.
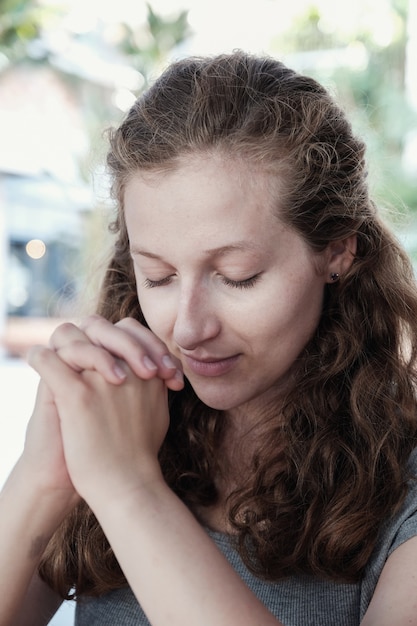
{"x": 126, "y": 491}
{"x": 38, "y": 493}
{"x": 28, "y": 519}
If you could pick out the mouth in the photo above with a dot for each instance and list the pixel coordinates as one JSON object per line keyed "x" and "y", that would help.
{"x": 210, "y": 367}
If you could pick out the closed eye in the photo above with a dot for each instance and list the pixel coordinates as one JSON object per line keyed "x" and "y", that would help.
{"x": 241, "y": 284}
{"x": 237, "y": 284}
{"x": 148, "y": 283}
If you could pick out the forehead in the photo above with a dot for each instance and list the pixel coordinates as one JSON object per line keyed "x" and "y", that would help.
{"x": 203, "y": 182}
{"x": 239, "y": 168}
{"x": 207, "y": 208}
{"x": 203, "y": 205}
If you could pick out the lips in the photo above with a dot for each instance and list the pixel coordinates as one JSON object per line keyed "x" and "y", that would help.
{"x": 210, "y": 367}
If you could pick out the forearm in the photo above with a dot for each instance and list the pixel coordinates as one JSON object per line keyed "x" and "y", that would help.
{"x": 27, "y": 521}
{"x": 166, "y": 554}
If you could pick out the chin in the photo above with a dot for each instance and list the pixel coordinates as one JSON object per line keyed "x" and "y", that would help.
{"x": 221, "y": 395}
{"x": 220, "y": 402}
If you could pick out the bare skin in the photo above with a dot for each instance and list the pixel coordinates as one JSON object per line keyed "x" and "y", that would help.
{"x": 101, "y": 413}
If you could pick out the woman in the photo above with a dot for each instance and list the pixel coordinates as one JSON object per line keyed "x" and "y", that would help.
{"x": 276, "y": 484}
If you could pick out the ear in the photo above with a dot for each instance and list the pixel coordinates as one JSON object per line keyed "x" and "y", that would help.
{"x": 340, "y": 255}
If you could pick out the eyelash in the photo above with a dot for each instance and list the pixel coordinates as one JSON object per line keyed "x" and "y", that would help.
{"x": 241, "y": 284}
{"x": 237, "y": 284}
{"x": 156, "y": 283}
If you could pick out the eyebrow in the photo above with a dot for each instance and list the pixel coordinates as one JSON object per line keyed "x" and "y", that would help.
{"x": 237, "y": 246}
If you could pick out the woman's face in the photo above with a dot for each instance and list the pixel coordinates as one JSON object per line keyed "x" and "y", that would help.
{"x": 233, "y": 292}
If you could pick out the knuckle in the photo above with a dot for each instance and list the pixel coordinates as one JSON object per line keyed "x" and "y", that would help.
{"x": 129, "y": 323}
{"x": 38, "y": 355}
{"x": 61, "y": 332}
{"x": 67, "y": 327}
{"x": 80, "y": 344}
{"x": 88, "y": 321}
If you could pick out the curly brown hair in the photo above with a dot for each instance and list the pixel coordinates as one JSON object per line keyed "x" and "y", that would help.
{"x": 331, "y": 464}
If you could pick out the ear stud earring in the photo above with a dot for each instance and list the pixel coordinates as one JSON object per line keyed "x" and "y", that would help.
{"x": 334, "y": 276}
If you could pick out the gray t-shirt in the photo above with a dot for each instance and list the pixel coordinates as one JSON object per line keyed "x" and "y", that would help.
{"x": 296, "y": 601}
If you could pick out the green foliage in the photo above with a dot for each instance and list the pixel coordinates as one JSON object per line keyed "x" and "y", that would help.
{"x": 144, "y": 47}
{"x": 372, "y": 91}
{"x": 28, "y": 27}
{"x": 22, "y": 22}
{"x": 147, "y": 46}
{"x": 19, "y": 24}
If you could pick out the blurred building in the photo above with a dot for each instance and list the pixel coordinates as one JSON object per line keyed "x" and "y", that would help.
{"x": 43, "y": 202}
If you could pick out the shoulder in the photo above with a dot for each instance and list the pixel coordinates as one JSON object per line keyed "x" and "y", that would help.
{"x": 397, "y": 543}
{"x": 395, "y": 598}
{"x": 402, "y": 525}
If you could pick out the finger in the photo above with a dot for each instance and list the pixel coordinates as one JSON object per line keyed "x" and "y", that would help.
{"x": 138, "y": 346}
{"x": 82, "y": 356}
{"x": 157, "y": 350}
{"x": 74, "y": 347}
{"x": 51, "y": 368}
{"x": 66, "y": 333}
{"x": 177, "y": 382}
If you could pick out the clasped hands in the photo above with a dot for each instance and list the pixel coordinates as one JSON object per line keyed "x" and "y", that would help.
{"x": 101, "y": 412}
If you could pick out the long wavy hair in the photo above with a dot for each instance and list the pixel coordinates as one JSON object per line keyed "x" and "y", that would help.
{"x": 331, "y": 464}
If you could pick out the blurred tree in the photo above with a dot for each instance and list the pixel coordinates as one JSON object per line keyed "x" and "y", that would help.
{"x": 104, "y": 66}
{"x": 20, "y": 23}
{"x": 148, "y": 46}
{"x": 23, "y": 22}
{"x": 72, "y": 79}
{"x": 369, "y": 78}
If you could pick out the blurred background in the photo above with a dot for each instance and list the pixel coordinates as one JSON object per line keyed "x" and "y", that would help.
{"x": 69, "y": 69}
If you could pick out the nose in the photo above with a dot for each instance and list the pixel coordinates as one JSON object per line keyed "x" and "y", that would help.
{"x": 197, "y": 320}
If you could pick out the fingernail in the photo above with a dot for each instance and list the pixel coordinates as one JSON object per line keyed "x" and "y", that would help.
{"x": 179, "y": 376}
{"x": 168, "y": 362}
{"x": 149, "y": 364}
{"x": 119, "y": 371}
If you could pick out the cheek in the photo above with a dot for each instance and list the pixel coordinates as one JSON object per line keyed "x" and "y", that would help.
{"x": 293, "y": 312}
{"x": 158, "y": 315}
{"x": 306, "y": 310}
